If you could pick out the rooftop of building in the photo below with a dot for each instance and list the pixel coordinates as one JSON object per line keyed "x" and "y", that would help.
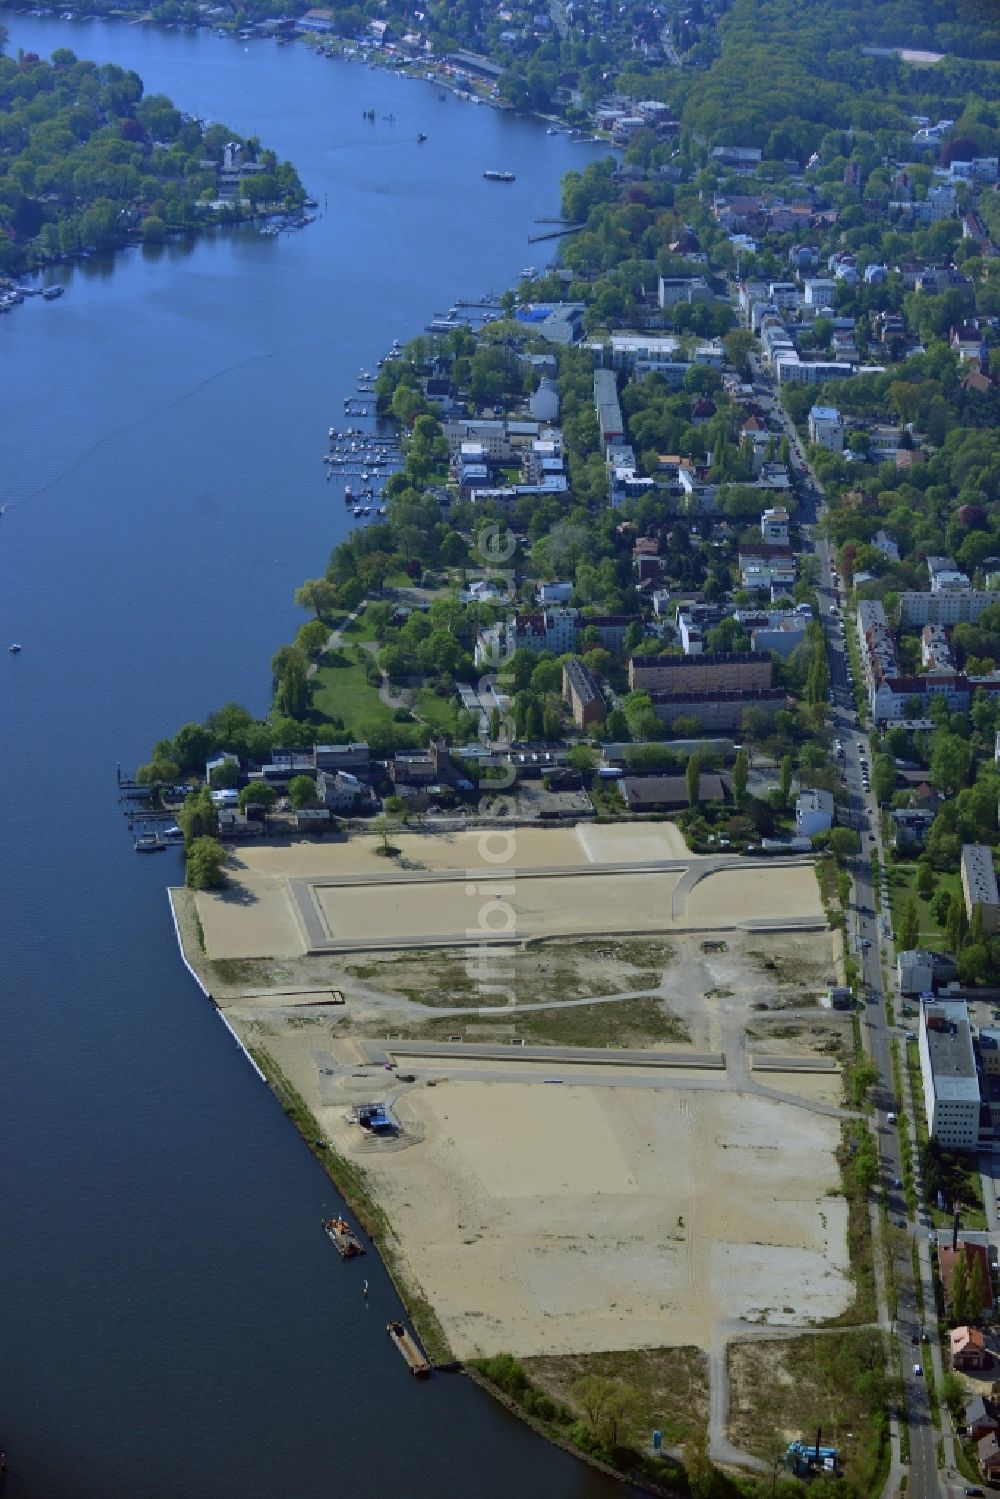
{"x": 980, "y": 875}
{"x": 953, "y": 1063}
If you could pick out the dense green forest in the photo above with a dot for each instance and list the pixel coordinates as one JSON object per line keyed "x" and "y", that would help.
{"x": 86, "y": 161}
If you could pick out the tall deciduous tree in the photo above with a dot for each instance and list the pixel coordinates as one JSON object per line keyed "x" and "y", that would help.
{"x": 692, "y": 779}
{"x": 741, "y": 770}
{"x": 301, "y": 792}
{"x": 909, "y": 925}
{"x": 205, "y": 864}
{"x": 961, "y": 1299}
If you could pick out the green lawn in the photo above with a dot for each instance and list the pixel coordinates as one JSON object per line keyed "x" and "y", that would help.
{"x": 342, "y": 690}
{"x": 440, "y": 713}
{"x": 901, "y": 882}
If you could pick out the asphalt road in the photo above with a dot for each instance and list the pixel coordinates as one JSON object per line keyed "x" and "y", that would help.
{"x": 871, "y": 941}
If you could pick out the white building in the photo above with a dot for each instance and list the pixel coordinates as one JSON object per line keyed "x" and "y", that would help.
{"x": 826, "y": 428}
{"x": 774, "y": 525}
{"x": 813, "y": 813}
{"x": 819, "y": 292}
{"x": 554, "y": 593}
{"x": 945, "y": 608}
{"x": 948, "y": 1069}
{"x": 692, "y": 636}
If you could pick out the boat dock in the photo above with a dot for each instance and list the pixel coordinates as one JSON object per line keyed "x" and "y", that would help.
{"x": 410, "y": 1349}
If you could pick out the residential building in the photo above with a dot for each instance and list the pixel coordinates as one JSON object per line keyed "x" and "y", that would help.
{"x": 355, "y": 757}
{"x": 690, "y": 631}
{"x": 553, "y": 630}
{"x": 320, "y": 21}
{"x": 554, "y": 593}
{"x": 789, "y": 367}
{"x": 667, "y": 793}
{"x": 690, "y": 289}
{"x": 826, "y": 428}
{"x": 774, "y": 632}
{"x": 236, "y": 824}
{"x": 769, "y": 567}
{"x": 581, "y": 691}
{"x": 774, "y": 526}
{"x": 910, "y": 826}
{"x": 915, "y": 971}
{"x": 979, "y": 886}
{"x": 544, "y": 402}
{"x": 886, "y": 545}
{"x": 950, "y": 1078}
{"x": 946, "y": 607}
{"x": 710, "y": 672}
{"x": 813, "y": 812}
{"x": 413, "y": 768}
{"x": 968, "y": 1353}
{"x": 718, "y": 711}
{"x": 946, "y": 576}
{"x": 988, "y": 1456}
{"x": 239, "y": 161}
{"x": 935, "y": 648}
{"x": 312, "y": 819}
{"x": 338, "y": 790}
{"x": 737, "y": 158}
{"x": 980, "y": 1412}
{"x": 819, "y": 292}
{"x": 609, "y": 412}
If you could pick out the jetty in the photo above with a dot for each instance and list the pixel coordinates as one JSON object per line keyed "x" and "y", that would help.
{"x": 410, "y": 1349}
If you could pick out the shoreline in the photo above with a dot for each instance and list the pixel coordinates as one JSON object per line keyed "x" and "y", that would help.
{"x": 434, "y": 67}
{"x": 349, "y": 1184}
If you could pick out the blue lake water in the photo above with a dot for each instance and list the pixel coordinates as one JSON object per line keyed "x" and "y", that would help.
{"x": 174, "y": 1321}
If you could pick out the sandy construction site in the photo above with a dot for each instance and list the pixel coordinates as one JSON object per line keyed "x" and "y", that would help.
{"x": 572, "y": 1201}
{"x": 498, "y": 884}
{"x": 596, "y": 1214}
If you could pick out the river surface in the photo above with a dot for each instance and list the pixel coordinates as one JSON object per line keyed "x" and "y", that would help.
{"x": 173, "y": 1319}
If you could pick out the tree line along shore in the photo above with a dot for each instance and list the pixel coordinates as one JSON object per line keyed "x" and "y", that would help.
{"x": 88, "y": 163}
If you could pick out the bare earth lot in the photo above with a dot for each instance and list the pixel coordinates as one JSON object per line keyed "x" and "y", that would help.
{"x": 292, "y": 898}
{"x": 559, "y": 1208}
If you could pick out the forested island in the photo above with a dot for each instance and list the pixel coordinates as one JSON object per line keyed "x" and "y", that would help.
{"x": 87, "y": 162}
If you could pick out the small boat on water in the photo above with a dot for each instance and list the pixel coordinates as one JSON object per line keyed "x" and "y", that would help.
{"x": 14, "y": 649}
{"x": 149, "y": 843}
{"x": 342, "y": 1236}
{"x": 410, "y": 1349}
{"x": 499, "y": 176}
{"x": 357, "y": 510}
{"x": 421, "y": 137}
{"x": 51, "y": 292}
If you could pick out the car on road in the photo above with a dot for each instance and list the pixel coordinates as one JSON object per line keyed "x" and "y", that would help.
{"x": 918, "y": 1368}
{"x": 972, "y": 1491}
{"x": 897, "y": 1182}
